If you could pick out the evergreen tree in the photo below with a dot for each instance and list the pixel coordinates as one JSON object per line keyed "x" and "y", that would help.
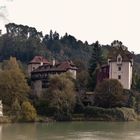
{"x": 94, "y": 65}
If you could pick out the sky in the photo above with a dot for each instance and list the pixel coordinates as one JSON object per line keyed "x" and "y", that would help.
{"x": 91, "y": 20}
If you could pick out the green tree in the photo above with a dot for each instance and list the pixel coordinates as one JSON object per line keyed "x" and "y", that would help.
{"x": 94, "y": 64}
{"x": 136, "y": 81}
{"x": 109, "y": 94}
{"x": 13, "y": 84}
{"x": 28, "y": 112}
{"x": 61, "y": 96}
{"x": 16, "y": 109}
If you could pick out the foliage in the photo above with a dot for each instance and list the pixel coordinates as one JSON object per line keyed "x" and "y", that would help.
{"x": 13, "y": 84}
{"x": 109, "y": 94}
{"x": 94, "y": 64}
{"x": 28, "y": 112}
{"x": 120, "y": 114}
{"x": 137, "y": 105}
{"x": 136, "y": 81}
{"x": 61, "y": 96}
{"x": 42, "y": 107}
{"x": 24, "y": 42}
{"x": 79, "y": 106}
{"x": 16, "y": 108}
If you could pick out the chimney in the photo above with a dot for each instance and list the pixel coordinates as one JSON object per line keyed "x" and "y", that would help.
{"x": 53, "y": 62}
{"x": 41, "y": 63}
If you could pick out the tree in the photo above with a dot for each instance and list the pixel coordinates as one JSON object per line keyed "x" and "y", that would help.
{"x": 28, "y": 112}
{"x": 94, "y": 64}
{"x": 13, "y": 84}
{"x": 136, "y": 81}
{"x": 16, "y": 109}
{"x": 61, "y": 96}
{"x": 109, "y": 94}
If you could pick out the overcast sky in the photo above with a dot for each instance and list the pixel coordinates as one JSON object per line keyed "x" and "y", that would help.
{"x": 91, "y": 20}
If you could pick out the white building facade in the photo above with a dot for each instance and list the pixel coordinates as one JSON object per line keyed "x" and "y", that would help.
{"x": 121, "y": 66}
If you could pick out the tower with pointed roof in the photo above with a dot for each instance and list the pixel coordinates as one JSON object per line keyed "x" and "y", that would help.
{"x": 36, "y": 62}
{"x": 120, "y": 64}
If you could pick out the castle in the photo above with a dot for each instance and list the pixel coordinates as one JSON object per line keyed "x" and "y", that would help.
{"x": 40, "y": 68}
{"x": 120, "y": 65}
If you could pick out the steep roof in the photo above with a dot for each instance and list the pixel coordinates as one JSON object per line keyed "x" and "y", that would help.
{"x": 59, "y": 67}
{"x": 120, "y": 50}
{"x": 38, "y": 60}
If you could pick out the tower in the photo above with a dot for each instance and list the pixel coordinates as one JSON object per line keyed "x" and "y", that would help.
{"x": 120, "y": 64}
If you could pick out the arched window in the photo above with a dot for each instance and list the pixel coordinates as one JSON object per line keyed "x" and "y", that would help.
{"x": 119, "y": 59}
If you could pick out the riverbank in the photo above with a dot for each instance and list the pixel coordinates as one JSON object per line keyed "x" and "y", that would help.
{"x": 110, "y": 114}
{"x": 5, "y": 119}
{"x": 89, "y": 114}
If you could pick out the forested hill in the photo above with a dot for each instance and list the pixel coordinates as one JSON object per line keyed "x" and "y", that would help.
{"x": 24, "y": 42}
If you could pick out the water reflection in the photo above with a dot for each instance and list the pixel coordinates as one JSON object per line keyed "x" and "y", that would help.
{"x": 71, "y": 131}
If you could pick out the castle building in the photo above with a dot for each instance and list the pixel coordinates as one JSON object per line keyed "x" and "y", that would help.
{"x": 36, "y": 62}
{"x": 120, "y": 65}
{"x": 1, "y": 109}
{"x": 39, "y": 75}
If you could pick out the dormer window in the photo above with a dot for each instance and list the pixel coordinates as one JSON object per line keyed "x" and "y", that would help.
{"x": 119, "y": 59}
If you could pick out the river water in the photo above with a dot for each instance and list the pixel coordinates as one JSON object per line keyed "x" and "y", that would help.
{"x": 71, "y": 131}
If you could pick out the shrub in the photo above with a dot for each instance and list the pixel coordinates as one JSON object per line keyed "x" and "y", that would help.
{"x": 109, "y": 94}
{"x": 28, "y": 112}
{"x": 120, "y": 114}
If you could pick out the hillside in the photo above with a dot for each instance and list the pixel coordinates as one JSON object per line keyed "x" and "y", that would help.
{"x": 24, "y": 42}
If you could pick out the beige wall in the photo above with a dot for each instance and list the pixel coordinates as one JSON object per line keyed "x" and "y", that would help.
{"x": 73, "y": 72}
{"x": 37, "y": 87}
{"x": 125, "y": 72}
{"x": 31, "y": 67}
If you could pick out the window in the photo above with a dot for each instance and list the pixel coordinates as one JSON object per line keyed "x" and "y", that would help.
{"x": 119, "y": 77}
{"x": 119, "y": 59}
{"x": 119, "y": 68}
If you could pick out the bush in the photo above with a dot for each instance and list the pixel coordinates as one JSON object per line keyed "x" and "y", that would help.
{"x": 43, "y": 108}
{"x": 120, "y": 114}
{"x": 62, "y": 116}
{"x": 109, "y": 94}
{"x": 61, "y": 96}
{"x": 28, "y": 112}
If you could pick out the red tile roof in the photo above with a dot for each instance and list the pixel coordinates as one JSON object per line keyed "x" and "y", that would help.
{"x": 60, "y": 67}
{"x": 38, "y": 60}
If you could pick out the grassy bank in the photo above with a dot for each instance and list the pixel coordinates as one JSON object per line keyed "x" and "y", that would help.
{"x": 5, "y": 119}
{"x": 102, "y": 114}
{"x": 89, "y": 114}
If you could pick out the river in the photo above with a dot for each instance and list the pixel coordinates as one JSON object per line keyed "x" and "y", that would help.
{"x": 71, "y": 131}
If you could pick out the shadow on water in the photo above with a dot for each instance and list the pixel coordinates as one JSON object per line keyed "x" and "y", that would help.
{"x": 71, "y": 131}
